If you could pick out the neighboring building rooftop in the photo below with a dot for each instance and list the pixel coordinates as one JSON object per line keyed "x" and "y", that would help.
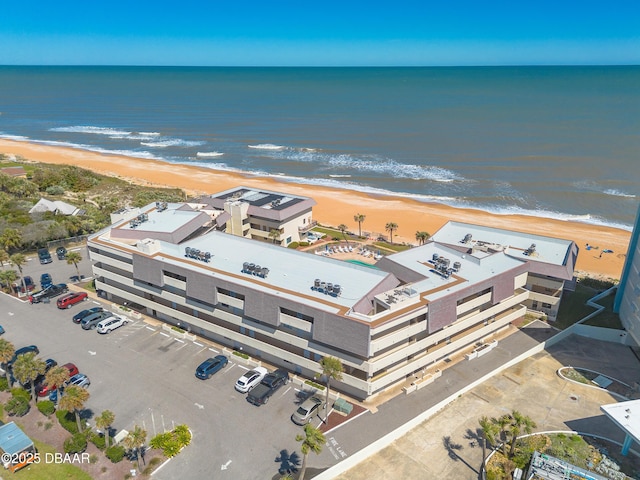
{"x": 262, "y": 203}
{"x": 13, "y": 440}
{"x": 55, "y": 206}
{"x": 14, "y": 171}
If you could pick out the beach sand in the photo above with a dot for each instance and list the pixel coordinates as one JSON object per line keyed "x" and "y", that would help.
{"x": 336, "y": 206}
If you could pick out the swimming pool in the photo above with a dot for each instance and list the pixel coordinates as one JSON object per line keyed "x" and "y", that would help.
{"x": 363, "y": 264}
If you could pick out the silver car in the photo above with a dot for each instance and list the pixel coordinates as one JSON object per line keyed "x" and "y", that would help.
{"x": 306, "y": 411}
{"x": 80, "y": 380}
{"x": 250, "y": 379}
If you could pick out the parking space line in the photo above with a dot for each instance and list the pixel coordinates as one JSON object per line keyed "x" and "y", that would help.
{"x": 149, "y": 328}
{"x": 198, "y": 344}
{"x": 164, "y": 334}
{"x": 213, "y": 350}
{"x": 285, "y": 392}
{"x": 178, "y": 340}
{"x": 243, "y": 367}
{"x": 231, "y": 365}
{"x": 96, "y": 303}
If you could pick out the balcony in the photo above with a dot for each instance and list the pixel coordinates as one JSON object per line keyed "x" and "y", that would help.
{"x": 307, "y": 227}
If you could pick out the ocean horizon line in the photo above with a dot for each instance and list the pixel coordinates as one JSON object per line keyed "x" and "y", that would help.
{"x": 355, "y": 67}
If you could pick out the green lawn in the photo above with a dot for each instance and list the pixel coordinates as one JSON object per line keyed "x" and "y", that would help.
{"x": 47, "y": 470}
{"x": 573, "y": 309}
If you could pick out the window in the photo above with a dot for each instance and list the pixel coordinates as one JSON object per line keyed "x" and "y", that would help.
{"x": 299, "y": 315}
{"x": 182, "y": 278}
{"x": 288, "y": 240}
{"x": 229, "y": 293}
{"x": 546, "y": 305}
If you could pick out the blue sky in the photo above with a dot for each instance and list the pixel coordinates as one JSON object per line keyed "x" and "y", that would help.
{"x": 347, "y": 33}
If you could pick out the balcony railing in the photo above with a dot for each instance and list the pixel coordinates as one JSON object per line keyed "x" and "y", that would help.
{"x": 307, "y": 227}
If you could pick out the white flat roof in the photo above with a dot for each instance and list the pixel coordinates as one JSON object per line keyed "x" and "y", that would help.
{"x": 547, "y": 249}
{"x": 626, "y": 415}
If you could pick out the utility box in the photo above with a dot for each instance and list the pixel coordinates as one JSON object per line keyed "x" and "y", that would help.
{"x": 342, "y": 406}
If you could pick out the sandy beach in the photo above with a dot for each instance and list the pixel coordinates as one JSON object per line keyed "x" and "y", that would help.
{"x": 337, "y": 206}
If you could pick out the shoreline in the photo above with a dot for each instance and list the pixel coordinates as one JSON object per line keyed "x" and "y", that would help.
{"x": 338, "y": 206}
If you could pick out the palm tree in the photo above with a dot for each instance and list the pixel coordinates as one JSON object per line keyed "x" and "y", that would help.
{"x": 519, "y": 423}
{"x": 26, "y": 369}
{"x": 358, "y": 217}
{"x": 312, "y": 441}
{"x": 4, "y": 258}
{"x": 104, "y": 422}
{"x": 73, "y": 401}
{"x": 7, "y": 277}
{"x": 343, "y": 228}
{"x": 7, "y": 350}
{"x": 19, "y": 260}
{"x": 422, "y": 237}
{"x": 11, "y": 238}
{"x": 331, "y": 369}
{"x": 274, "y": 234}
{"x": 74, "y": 258}
{"x": 136, "y": 440}
{"x": 391, "y": 227}
{"x": 490, "y": 434}
{"x": 55, "y": 377}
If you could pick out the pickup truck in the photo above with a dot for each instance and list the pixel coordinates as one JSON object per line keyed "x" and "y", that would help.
{"x": 48, "y": 292}
{"x": 267, "y": 387}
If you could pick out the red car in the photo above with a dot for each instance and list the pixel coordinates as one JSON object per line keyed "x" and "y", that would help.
{"x": 42, "y": 390}
{"x": 71, "y": 299}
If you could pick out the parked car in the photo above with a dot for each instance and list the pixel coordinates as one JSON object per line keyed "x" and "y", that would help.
{"x": 44, "y": 256}
{"x": 211, "y": 366}
{"x": 45, "y": 280}
{"x": 61, "y": 253}
{"x": 71, "y": 299}
{"x": 268, "y": 386}
{"x": 111, "y": 323}
{"x": 22, "y": 351}
{"x": 1, "y": 329}
{"x": 91, "y": 321}
{"x": 306, "y": 411}
{"x": 49, "y": 363}
{"x": 49, "y": 292}
{"x": 29, "y": 283}
{"x": 250, "y": 379}
{"x": 77, "y": 318}
{"x": 42, "y": 390}
{"x": 79, "y": 379}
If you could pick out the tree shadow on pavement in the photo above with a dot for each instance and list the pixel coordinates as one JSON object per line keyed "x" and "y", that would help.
{"x": 452, "y": 449}
{"x": 289, "y": 463}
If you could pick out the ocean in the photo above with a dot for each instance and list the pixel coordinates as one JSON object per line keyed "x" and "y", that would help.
{"x": 560, "y": 142}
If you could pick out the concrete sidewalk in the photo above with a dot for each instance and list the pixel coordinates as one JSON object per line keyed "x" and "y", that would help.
{"x": 447, "y": 445}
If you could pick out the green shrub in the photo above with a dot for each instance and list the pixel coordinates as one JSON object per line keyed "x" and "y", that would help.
{"x": 55, "y": 190}
{"x": 304, "y": 244}
{"x": 17, "y": 406}
{"x": 21, "y": 393}
{"x": 314, "y": 384}
{"x": 46, "y": 407}
{"x": 76, "y": 443}
{"x": 293, "y": 245}
{"x": 172, "y": 442}
{"x": 68, "y": 421}
{"x": 178, "y": 329}
{"x": 182, "y": 434}
{"x": 115, "y": 453}
{"x": 98, "y": 440}
{"x": 240, "y": 354}
{"x": 4, "y": 384}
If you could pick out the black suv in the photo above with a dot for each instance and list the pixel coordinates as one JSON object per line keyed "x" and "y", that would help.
{"x": 61, "y": 253}
{"x": 269, "y": 385}
{"x": 78, "y": 317}
{"x": 44, "y": 256}
{"x": 49, "y": 292}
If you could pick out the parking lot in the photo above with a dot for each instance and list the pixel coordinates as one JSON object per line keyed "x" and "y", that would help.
{"x": 146, "y": 377}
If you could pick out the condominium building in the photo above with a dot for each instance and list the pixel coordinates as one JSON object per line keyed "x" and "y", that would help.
{"x": 291, "y": 308}
{"x": 627, "y": 301}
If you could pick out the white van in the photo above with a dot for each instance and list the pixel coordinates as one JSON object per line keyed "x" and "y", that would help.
{"x": 111, "y": 323}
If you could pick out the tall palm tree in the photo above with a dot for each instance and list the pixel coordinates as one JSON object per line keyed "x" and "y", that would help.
{"x": 519, "y": 423}
{"x": 358, "y": 217}
{"x": 422, "y": 237}
{"x": 135, "y": 441}
{"x": 312, "y": 441}
{"x": 4, "y": 258}
{"x": 331, "y": 369}
{"x": 274, "y": 234}
{"x": 343, "y": 229}
{"x": 19, "y": 260}
{"x": 26, "y": 369}
{"x": 73, "y": 401}
{"x": 74, "y": 258}
{"x": 391, "y": 227}
{"x": 104, "y": 422}
{"x": 490, "y": 434}
{"x": 56, "y": 377}
{"x": 6, "y": 354}
{"x": 11, "y": 238}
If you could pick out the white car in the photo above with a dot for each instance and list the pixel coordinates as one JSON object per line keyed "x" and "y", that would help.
{"x": 250, "y": 379}
{"x": 111, "y": 323}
